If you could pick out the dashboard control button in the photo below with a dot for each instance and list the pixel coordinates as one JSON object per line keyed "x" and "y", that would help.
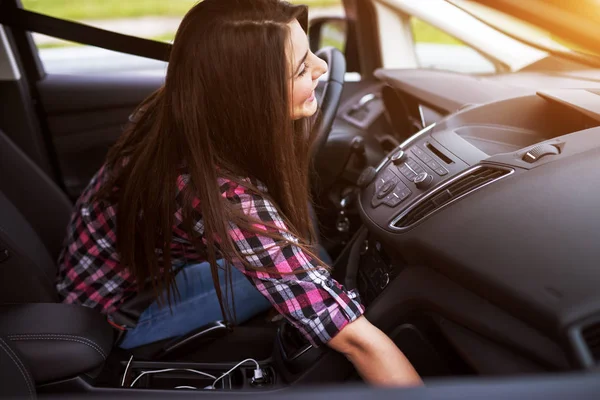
{"x": 415, "y": 166}
{"x": 434, "y": 165}
{"x": 423, "y": 180}
{"x": 540, "y": 151}
{"x": 386, "y": 188}
{"x": 421, "y": 154}
{"x": 378, "y": 183}
{"x": 398, "y": 157}
{"x": 384, "y": 177}
{"x": 407, "y": 172}
{"x": 392, "y": 200}
{"x": 400, "y": 193}
{"x": 388, "y": 174}
{"x": 441, "y": 171}
{"x": 405, "y": 193}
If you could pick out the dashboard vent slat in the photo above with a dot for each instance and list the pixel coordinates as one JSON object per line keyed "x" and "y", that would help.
{"x": 591, "y": 336}
{"x": 472, "y": 180}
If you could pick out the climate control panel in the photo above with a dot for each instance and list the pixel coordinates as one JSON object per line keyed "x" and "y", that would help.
{"x": 408, "y": 173}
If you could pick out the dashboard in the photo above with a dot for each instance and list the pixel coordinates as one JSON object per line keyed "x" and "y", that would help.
{"x": 496, "y": 201}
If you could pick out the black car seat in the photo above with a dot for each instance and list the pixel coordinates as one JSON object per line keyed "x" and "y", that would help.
{"x": 56, "y": 340}
{"x": 17, "y": 382}
{"x": 34, "y": 214}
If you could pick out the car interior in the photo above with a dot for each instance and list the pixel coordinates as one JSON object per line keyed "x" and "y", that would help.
{"x": 464, "y": 208}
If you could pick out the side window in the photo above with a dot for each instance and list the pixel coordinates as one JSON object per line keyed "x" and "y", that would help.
{"x": 150, "y": 19}
{"x": 333, "y": 33}
{"x": 436, "y": 49}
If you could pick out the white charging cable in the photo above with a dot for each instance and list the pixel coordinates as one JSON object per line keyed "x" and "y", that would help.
{"x": 158, "y": 371}
{"x": 126, "y": 369}
{"x": 258, "y": 372}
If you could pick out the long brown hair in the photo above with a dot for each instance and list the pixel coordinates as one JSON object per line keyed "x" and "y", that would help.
{"x": 223, "y": 111}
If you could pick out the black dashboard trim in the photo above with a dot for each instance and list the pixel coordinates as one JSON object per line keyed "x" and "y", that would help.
{"x": 422, "y": 288}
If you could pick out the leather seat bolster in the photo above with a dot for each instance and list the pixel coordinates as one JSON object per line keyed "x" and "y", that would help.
{"x": 14, "y": 375}
{"x": 57, "y": 341}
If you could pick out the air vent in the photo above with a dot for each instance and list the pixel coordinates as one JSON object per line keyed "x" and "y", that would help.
{"x": 451, "y": 191}
{"x": 591, "y": 336}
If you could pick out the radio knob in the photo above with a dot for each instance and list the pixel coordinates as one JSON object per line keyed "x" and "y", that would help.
{"x": 398, "y": 157}
{"x": 423, "y": 180}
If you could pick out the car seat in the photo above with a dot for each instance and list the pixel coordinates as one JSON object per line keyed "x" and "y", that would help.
{"x": 62, "y": 340}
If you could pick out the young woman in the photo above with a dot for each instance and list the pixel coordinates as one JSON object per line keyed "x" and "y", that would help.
{"x": 207, "y": 194}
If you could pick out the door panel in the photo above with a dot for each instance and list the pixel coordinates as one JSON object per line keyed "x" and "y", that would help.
{"x": 86, "y": 115}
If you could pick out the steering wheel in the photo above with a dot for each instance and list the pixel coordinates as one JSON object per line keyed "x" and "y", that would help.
{"x": 328, "y": 94}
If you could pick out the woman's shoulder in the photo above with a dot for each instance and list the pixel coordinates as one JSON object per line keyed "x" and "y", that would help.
{"x": 231, "y": 187}
{"x": 236, "y": 187}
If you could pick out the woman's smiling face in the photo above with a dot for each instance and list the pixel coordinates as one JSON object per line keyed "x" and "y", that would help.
{"x": 306, "y": 68}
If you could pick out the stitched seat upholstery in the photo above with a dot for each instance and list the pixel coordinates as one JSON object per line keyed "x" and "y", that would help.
{"x": 14, "y": 375}
{"x": 56, "y": 340}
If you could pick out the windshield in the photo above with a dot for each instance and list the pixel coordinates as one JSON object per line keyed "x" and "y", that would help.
{"x": 523, "y": 30}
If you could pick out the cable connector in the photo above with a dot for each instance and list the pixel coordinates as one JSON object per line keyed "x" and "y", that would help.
{"x": 257, "y": 372}
{"x": 259, "y": 377}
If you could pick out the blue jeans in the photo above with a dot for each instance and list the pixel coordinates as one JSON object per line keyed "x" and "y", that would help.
{"x": 197, "y": 305}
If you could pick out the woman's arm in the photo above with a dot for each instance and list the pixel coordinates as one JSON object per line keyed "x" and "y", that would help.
{"x": 304, "y": 292}
{"x": 374, "y": 355}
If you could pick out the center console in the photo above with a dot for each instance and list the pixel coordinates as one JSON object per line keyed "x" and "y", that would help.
{"x": 198, "y": 376}
{"x": 408, "y": 173}
{"x": 415, "y": 171}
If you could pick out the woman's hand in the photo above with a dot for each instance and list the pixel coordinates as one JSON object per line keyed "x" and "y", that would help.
{"x": 374, "y": 355}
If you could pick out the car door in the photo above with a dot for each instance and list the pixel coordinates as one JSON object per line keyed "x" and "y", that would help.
{"x": 81, "y": 96}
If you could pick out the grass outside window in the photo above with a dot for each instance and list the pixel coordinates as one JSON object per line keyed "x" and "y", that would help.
{"x": 79, "y": 10}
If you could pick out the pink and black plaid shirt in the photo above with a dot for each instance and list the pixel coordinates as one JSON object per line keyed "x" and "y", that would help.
{"x": 90, "y": 273}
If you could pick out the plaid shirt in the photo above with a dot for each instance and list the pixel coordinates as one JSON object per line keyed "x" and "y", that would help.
{"x": 90, "y": 273}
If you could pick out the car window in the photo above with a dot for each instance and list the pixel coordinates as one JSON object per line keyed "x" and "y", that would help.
{"x": 436, "y": 49}
{"x": 150, "y": 19}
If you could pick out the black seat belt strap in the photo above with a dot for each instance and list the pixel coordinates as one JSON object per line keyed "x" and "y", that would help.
{"x": 81, "y": 33}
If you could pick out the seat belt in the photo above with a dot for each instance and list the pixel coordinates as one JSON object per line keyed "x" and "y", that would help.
{"x": 80, "y": 33}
